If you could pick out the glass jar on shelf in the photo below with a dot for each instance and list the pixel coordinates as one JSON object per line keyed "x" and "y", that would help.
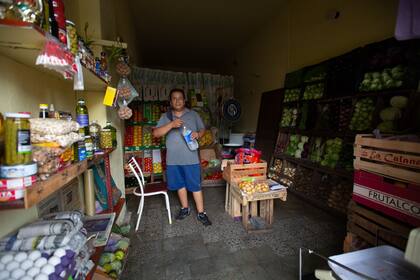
{"x": 17, "y": 146}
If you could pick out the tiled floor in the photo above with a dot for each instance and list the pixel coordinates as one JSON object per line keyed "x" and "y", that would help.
{"x": 188, "y": 250}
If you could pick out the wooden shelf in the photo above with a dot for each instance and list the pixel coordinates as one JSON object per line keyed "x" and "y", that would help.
{"x": 309, "y": 164}
{"x": 42, "y": 189}
{"x": 142, "y": 123}
{"x": 99, "y": 250}
{"x": 22, "y": 42}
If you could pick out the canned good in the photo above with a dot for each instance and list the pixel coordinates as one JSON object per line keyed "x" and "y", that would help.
{"x": 18, "y": 148}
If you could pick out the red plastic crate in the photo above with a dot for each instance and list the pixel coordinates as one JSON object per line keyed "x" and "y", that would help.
{"x": 393, "y": 198}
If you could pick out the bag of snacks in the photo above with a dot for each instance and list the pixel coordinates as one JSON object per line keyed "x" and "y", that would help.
{"x": 245, "y": 156}
{"x": 53, "y": 126}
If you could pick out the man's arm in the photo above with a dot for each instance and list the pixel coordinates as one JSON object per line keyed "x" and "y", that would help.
{"x": 164, "y": 129}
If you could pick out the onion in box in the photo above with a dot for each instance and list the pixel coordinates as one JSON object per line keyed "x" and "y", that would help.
{"x": 12, "y": 266}
{"x": 34, "y": 255}
{"x": 6, "y": 258}
{"x": 34, "y": 271}
{"x": 41, "y": 262}
{"x": 4, "y": 275}
{"x": 18, "y": 273}
{"x": 26, "y": 264}
{"x": 21, "y": 256}
{"x": 42, "y": 277}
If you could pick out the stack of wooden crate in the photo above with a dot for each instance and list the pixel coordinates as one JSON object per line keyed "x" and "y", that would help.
{"x": 386, "y": 190}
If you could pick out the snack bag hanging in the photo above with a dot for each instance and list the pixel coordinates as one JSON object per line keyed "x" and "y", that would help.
{"x": 125, "y": 91}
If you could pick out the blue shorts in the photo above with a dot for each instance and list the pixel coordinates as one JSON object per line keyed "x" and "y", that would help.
{"x": 180, "y": 176}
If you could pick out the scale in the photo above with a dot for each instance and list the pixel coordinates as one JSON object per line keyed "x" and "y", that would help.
{"x": 230, "y": 113}
{"x": 382, "y": 262}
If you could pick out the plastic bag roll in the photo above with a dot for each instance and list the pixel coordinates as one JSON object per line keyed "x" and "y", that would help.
{"x": 89, "y": 193}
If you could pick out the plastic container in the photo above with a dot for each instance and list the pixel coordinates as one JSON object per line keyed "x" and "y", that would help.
{"x": 191, "y": 143}
{"x": 18, "y": 148}
{"x": 106, "y": 138}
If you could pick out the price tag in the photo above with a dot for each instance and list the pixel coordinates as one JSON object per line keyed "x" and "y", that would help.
{"x": 109, "y": 97}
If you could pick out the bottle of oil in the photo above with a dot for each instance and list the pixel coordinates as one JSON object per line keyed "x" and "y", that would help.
{"x": 82, "y": 117}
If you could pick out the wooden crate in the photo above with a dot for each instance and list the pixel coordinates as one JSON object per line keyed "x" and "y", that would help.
{"x": 235, "y": 172}
{"x": 254, "y": 205}
{"x": 375, "y": 228}
{"x": 352, "y": 242}
{"x": 395, "y": 159}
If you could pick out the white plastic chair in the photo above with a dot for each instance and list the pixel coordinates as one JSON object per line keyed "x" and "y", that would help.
{"x": 142, "y": 192}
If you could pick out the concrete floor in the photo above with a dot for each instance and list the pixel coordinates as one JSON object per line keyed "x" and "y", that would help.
{"x": 188, "y": 250}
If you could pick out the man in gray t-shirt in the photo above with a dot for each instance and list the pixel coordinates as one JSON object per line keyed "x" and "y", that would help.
{"x": 183, "y": 165}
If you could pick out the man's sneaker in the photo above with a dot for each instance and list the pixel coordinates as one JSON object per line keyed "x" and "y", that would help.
{"x": 183, "y": 213}
{"x": 202, "y": 217}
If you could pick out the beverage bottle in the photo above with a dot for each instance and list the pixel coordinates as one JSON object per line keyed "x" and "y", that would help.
{"x": 82, "y": 117}
{"x": 191, "y": 143}
{"x": 43, "y": 111}
{"x": 113, "y": 133}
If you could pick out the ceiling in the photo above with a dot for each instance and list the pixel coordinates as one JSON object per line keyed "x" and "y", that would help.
{"x": 195, "y": 33}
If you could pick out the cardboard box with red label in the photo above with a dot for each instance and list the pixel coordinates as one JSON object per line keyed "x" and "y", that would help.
{"x": 396, "y": 199}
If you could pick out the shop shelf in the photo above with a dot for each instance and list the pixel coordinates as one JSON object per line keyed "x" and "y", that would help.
{"x": 22, "y": 42}
{"x": 42, "y": 189}
{"x": 141, "y": 148}
{"x": 309, "y": 164}
{"x": 142, "y": 123}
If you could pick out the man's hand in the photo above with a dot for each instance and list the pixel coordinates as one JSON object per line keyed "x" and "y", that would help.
{"x": 195, "y": 135}
{"x": 177, "y": 123}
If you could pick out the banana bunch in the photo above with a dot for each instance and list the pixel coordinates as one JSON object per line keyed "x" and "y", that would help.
{"x": 207, "y": 139}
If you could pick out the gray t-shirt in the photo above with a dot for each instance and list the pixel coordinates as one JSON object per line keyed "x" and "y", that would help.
{"x": 177, "y": 151}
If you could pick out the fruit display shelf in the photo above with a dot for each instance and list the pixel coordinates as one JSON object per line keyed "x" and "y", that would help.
{"x": 309, "y": 164}
{"x": 142, "y": 148}
{"x": 142, "y": 123}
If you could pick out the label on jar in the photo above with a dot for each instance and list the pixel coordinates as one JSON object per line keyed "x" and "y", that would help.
{"x": 82, "y": 120}
{"x": 24, "y": 141}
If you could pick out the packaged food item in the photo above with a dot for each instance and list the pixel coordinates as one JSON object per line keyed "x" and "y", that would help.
{"x": 82, "y": 117}
{"x": 113, "y": 132}
{"x": 62, "y": 140}
{"x": 72, "y": 41}
{"x": 52, "y": 126}
{"x": 42, "y": 154}
{"x": 17, "y": 171}
{"x": 106, "y": 138}
{"x": 94, "y": 131}
{"x": 43, "y": 111}
{"x": 245, "y": 156}
{"x": 89, "y": 147}
{"x": 18, "y": 146}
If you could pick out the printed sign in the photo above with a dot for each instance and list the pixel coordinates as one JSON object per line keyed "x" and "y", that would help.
{"x": 399, "y": 204}
{"x": 392, "y": 158}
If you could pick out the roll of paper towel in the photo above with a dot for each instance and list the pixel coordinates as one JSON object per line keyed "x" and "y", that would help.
{"x": 89, "y": 193}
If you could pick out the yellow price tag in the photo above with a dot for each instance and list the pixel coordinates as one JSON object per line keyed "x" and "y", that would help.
{"x": 109, "y": 96}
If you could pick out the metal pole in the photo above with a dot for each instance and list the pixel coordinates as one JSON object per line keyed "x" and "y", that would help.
{"x": 300, "y": 263}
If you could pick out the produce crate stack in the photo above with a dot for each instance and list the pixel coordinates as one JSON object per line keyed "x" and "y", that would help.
{"x": 386, "y": 189}
{"x": 139, "y": 141}
{"x": 326, "y": 105}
